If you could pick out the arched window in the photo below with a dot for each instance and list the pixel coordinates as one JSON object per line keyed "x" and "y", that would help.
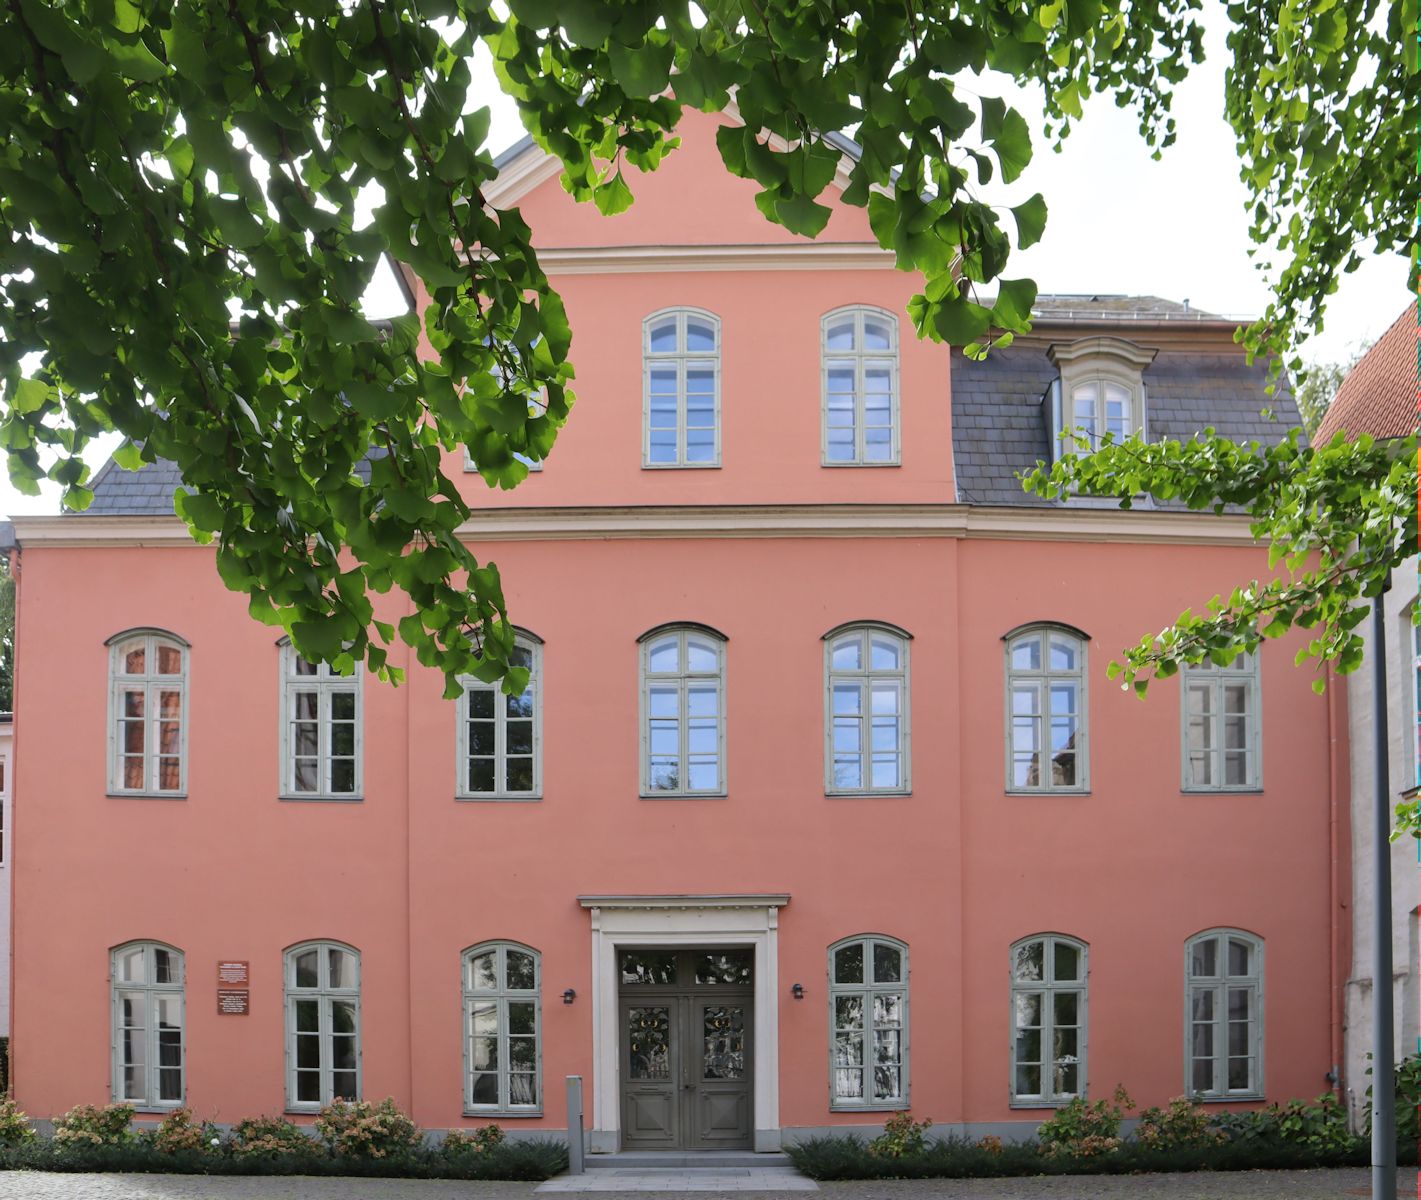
{"x": 683, "y": 711}
{"x": 322, "y": 1024}
{"x": 147, "y": 979}
{"x": 1048, "y": 1012}
{"x": 148, "y": 671}
{"x": 681, "y": 369}
{"x": 1223, "y": 1015}
{"x": 500, "y": 737}
{"x": 1101, "y": 393}
{"x": 868, "y": 1022}
{"x": 503, "y": 1026}
{"x": 1413, "y": 641}
{"x": 1047, "y": 740}
{"x": 321, "y": 734}
{"x": 866, "y": 710}
{"x": 860, "y": 370}
{"x": 1222, "y": 726}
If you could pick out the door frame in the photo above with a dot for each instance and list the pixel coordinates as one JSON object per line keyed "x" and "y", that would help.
{"x": 675, "y": 922}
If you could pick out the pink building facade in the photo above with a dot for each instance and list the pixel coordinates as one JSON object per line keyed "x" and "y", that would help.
{"x": 820, "y": 805}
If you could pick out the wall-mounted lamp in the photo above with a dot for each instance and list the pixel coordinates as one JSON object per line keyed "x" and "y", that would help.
{"x": 797, "y": 991}
{"x": 569, "y": 996}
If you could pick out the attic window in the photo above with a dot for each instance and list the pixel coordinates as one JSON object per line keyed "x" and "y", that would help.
{"x": 1100, "y": 393}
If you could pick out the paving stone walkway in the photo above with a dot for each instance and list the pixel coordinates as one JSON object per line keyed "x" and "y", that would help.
{"x": 1243, "y": 1185}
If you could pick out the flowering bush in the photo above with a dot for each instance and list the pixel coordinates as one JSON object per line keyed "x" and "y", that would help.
{"x": 268, "y": 1136}
{"x": 1082, "y": 1130}
{"x": 179, "y": 1133}
{"x": 15, "y": 1127}
{"x": 1182, "y": 1124}
{"x": 472, "y": 1141}
{"x": 901, "y": 1135}
{"x": 361, "y": 1129}
{"x": 90, "y": 1125}
{"x": 991, "y": 1144}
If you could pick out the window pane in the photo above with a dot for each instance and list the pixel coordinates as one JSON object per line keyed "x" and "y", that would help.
{"x": 520, "y": 971}
{"x": 131, "y": 965}
{"x": 1067, "y": 962}
{"x": 877, "y": 334}
{"x": 847, "y": 654}
{"x": 132, "y": 657}
{"x": 885, "y": 653}
{"x": 665, "y": 655}
{"x": 648, "y": 966}
{"x": 840, "y": 335}
{"x": 1029, "y": 962}
{"x": 482, "y": 976}
{"x": 663, "y": 335}
{"x": 887, "y": 963}
{"x": 1240, "y": 957}
{"x": 1026, "y": 653}
{"x": 700, "y": 655}
{"x": 170, "y": 660}
{"x": 342, "y": 965}
{"x": 700, "y": 334}
{"x": 848, "y": 963}
{"x": 307, "y": 965}
{"x": 1204, "y": 957}
{"x": 1064, "y": 653}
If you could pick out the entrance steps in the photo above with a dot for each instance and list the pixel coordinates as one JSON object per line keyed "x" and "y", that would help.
{"x": 684, "y": 1160}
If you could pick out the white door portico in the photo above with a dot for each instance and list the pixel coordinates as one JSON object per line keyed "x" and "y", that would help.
{"x": 685, "y": 920}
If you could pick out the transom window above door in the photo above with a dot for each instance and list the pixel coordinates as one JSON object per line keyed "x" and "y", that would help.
{"x": 681, "y": 389}
{"x": 860, "y": 380}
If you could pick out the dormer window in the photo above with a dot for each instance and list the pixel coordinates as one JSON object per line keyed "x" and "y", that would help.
{"x": 1100, "y": 393}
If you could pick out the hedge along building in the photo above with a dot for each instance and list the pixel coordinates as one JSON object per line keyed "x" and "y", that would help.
{"x": 819, "y": 806}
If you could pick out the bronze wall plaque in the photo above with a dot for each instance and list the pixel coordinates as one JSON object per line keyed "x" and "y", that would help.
{"x": 231, "y": 973}
{"x": 233, "y": 1002}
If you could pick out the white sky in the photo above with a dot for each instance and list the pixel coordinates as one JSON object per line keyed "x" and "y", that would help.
{"x": 1119, "y": 221}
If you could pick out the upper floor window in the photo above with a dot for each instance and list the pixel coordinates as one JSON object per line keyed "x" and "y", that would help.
{"x": 1100, "y": 393}
{"x": 860, "y": 367}
{"x": 321, "y": 730}
{"x": 681, "y": 369}
{"x": 148, "y": 713}
{"x": 1414, "y": 641}
{"x": 147, "y": 980}
{"x": 1222, "y": 726}
{"x": 1223, "y": 1005}
{"x": 1046, "y": 710}
{"x": 1048, "y": 1011}
{"x": 502, "y": 1029}
{"x": 322, "y": 1025}
{"x": 500, "y": 737}
{"x": 868, "y": 1023}
{"x": 683, "y": 712}
{"x": 866, "y": 710}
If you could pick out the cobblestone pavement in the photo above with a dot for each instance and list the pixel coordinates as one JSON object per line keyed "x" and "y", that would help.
{"x": 1243, "y": 1185}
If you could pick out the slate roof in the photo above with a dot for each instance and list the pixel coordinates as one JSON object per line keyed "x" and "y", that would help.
{"x": 999, "y": 427}
{"x": 1379, "y": 395}
{"x": 1116, "y": 306}
{"x": 145, "y": 492}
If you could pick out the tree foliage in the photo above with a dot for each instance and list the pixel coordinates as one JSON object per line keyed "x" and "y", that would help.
{"x": 181, "y": 258}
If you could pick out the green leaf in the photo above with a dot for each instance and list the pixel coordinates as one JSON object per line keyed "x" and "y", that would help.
{"x": 641, "y": 70}
{"x": 1030, "y": 216}
{"x": 613, "y": 195}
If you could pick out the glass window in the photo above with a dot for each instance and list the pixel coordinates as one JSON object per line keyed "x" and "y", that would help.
{"x": 1048, "y": 1014}
{"x": 322, "y": 1025}
{"x": 860, "y": 382}
{"x": 502, "y": 1029}
{"x": 1415, "y": 640}
{"x": 1223, "y": 999}
{"x": 321, "y": 730}
{"x": 1101, "y": 408}
{"x": 683, "y": 713}
{"x": 866, "y": 711}
{"x": 681, "y": 390}
{"x": 1046, "y": 711}
{"x": 1221, "y": 726}
{"x": 147, "y": 981}
{"x": 148, "y": 711}
{"x": 868, "y": 1023}
{"x": 500, "y": 737}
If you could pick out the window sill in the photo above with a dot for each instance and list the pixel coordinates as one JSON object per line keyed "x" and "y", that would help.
{"x": 1221, "y": 791}
{"x": 498, "y": 797}
{"x": 895, "y": 1106}
{"x": 884, "y": 794}
{"x": 870, "y": 465}
{"x": 710, "y": 466}
{"x": 504, "y": 1114}
{"x": 312, "y": 797}
{"x": 1252, "y": 1098}
{"x": 112, "y": 795}
{"x": 1043, "y": 1104}
{"x": 155, "y": 1110}
{"x": 722, "y": 795}
{"x": 1057, "y": 792}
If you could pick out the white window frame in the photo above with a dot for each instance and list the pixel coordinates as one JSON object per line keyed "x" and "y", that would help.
{"x": 152, "y": 991}
{"x": 865, "y": 678}
{"x": 324, "y": 683}
{"x": 1050, "y": 987}
{"x": 150, "y": 683}
{"x": 501, "y": 996}
{"x": 325, "y": 996}
{"x": 533, "y": 644}
{"x": 682, "y": 680}
{"x": 861, "y": 359}
{"x": 1411, "y": 647}
{"x": 1042, "y": 680}
{"x": 682, "y": 359}
{"x": 1098, "y": 361}
{"x": 1208, "y": 674}
{"x": 1220, "y": 985}
{"x": 869, "y": 990}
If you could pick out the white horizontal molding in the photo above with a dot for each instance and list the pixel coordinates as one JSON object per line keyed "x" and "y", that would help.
{"x": 752, "y": 256}
{"x": 688, "y": 900}
{"x": 1014, "y": 523}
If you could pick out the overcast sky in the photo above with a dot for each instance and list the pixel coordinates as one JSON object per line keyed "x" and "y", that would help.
{"x": 1119, "y": 221}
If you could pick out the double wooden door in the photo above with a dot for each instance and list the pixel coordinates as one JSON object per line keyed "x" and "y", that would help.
{"x": 686, "y": 1021}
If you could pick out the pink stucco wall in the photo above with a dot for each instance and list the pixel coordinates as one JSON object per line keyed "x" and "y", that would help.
{"x": 958, "y": 870}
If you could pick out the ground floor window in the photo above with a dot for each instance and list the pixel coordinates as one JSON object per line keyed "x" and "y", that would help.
{"x": 1048, "y": 1008}
{"x": 1224, "y": 1007}
{"x": 868, "y": 1012}
{"x": 502, "y": 1029}
{"x": 147, "y": 1025}
{"x": 322, "y": 1025}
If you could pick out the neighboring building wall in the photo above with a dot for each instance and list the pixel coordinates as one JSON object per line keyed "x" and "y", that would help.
{"x": 7, "y": 770}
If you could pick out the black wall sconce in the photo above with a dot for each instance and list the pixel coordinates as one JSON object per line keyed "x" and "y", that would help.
{"x": 797, "y": 991}
{"x": 569, "y": 996}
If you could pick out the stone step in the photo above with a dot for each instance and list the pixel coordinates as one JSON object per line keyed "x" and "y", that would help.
{"x": 682, "y": 1160}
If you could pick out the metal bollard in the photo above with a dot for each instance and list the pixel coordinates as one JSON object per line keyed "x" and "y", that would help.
{"x": 574, "y": 1125}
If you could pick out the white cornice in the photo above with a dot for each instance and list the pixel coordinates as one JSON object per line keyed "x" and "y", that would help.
{"x": 1006, "y": 523}
{"x": 689, "y": 900}
{"x": 776, "y": 256}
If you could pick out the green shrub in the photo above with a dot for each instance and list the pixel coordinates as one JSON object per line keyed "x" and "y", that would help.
{"x": 360, "y": 1129}
{"x": 1083, "y": 1130}
{"x": 1408, "y": 1102}
{"x": 472, "y": 1141}
{"x": 1182, "y": 1123}
{"x": 177, "y": 1133}
{"x": 90, "y": 1125}
{"x": 901, "y": 1135}
{"x": 265, "y": 1137}
{"x": 15, "y": 1127}
{"x": 1319, "y": 1126}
